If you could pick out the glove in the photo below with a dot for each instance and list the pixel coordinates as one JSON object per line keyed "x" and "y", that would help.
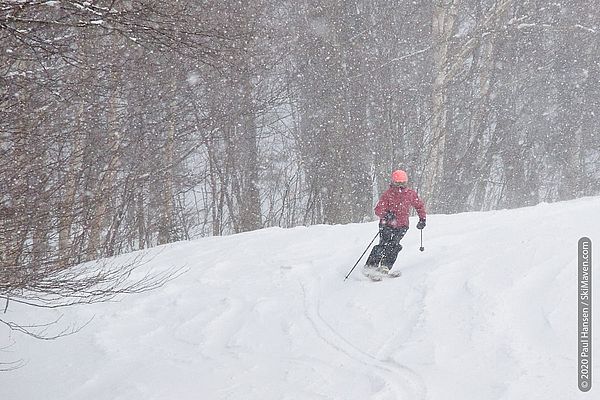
{"x": 389, "y": 216}
{"x": 421, "y": 224}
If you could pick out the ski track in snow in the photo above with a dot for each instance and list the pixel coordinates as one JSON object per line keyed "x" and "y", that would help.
{"x": 400, "y": 381}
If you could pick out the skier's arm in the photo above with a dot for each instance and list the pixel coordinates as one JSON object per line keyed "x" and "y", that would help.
{"x": 418, "y": 204}
{"x": 382, "y": 207}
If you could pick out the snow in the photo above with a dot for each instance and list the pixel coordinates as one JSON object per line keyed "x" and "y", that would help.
{"x": 193, "y": 78}
{"x": 585, "y": 28}
{"x": 487, "y": 311}
{"x": 526, "y": 25}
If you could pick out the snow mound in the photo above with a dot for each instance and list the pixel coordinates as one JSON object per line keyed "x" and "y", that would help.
{"x": 487, "y": 311}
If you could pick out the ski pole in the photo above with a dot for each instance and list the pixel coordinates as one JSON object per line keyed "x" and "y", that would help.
{"x": 422, "y": 248}
{"x": 361, "y": 256}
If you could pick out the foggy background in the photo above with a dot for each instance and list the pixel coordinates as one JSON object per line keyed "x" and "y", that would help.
{"x": 127, "y": 124}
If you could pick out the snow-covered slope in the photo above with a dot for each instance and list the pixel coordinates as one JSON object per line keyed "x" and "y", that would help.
{"x": 488, "y": 311}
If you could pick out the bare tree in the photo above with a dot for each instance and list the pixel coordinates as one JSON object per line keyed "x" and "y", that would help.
{"x": 55, "y": 287}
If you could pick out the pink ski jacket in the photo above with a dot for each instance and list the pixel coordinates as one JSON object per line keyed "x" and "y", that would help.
{"x": 398, "y": 200}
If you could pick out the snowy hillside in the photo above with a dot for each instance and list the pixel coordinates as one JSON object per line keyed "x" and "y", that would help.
{"x": 487, "y": 311}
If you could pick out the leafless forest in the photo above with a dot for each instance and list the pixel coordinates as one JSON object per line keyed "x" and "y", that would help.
{"x": 128, "y": 124}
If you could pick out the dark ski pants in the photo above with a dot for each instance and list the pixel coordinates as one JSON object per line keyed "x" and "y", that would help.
{"x": 388, "y": 248}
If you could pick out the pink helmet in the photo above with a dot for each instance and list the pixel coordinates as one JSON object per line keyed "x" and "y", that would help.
{"x": 399, "y": 176}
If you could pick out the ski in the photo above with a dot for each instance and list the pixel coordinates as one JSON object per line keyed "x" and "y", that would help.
{"x": 377, "y": 276}
{"x": 394, "y": 274}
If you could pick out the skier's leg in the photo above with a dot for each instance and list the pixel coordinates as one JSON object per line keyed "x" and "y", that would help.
{"x": 378, "y": 251}
{"x": 375, "y": 256}
{"x": 392, "y": 248}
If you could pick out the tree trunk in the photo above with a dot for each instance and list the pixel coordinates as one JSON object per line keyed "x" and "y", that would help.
{"x": 249, "y": 199}
{"x": 444, "y": 16}
{"x": 165, "y": 230}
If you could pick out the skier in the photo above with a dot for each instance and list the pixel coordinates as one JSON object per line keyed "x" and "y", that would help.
{"x": 393, "y": 209}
